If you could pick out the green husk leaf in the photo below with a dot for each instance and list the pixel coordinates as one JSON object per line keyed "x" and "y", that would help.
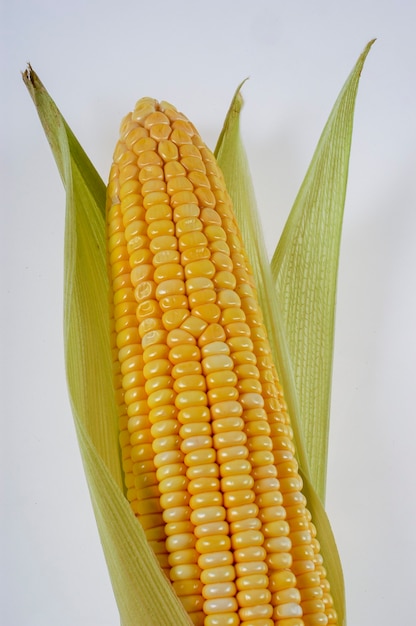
{"x": 233, "y": 162}
{"x": 330, "y": 192}
{"x": 143, "y": 594}
{"x": 305, "y": 267}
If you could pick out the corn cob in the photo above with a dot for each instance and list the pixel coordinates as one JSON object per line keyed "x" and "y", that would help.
{"x": 206, "y": 443}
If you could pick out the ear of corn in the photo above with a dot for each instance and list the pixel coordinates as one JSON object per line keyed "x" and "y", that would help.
{"x": 143, "y": 594}
{"x": 207, "y": 444}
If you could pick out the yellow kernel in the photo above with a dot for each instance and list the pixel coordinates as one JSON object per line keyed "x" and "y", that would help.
{"x": 253, "y": 597}
{"x": 164, "y": 428}
{"x": 205, "y": 515}
{"x": 168, "y": 150}
{"x": 213, "y": 543}
{"x": 183, "y": 353}
{"x": 279, "y": 581}
{"x": 221, "y": 574}
{"x": 184, "y": 572}
{"x": 194, "y": 255}
{"x": 164, "y": 242}
{"x": 200, "y": 457}
{"x": 217, "y": 362}
{"x": 226, "y": 439}
{"x": 182, "y": 557}
{"x": 168, "y": 271}
{"x": 194, "y": 414}
{"x": 219, "y": 590}
{"x": 230, "y": 408}
{"x": 204, "y": 483}
{"x": 187, "y": 587}
{"x": 212, "y": 334}
{"x": 179, "y": 336}
{"x": 201, "y": 297}
{"x": 164, "y": 257}
{"x": 186, "y": 368}
{"x": 204, "y": 268}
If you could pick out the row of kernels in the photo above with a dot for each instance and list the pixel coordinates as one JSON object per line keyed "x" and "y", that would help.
{"x": 195, "y": 434}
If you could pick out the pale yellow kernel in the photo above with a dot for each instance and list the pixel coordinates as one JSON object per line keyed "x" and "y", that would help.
{"x": 212, "y": 333}
{"x": 167, "y": 471}
{"x": 185, "y": 572}
{"x": 213, "y": 543}
{"x": 178, "y": 184}
{"x": 175, "y": 318}
{"x": 212, "y": 528}
{"x": 227, "y": 298}
{"x": 215, "y": 363}
{"x": 218, "y": 606}
{"x": 187, "y": 587}
{"x": 227, "y": 439}
{"x": 278, "y": 581}
{"x": 165, "y": 257}
{"x": 207, "y": 470}
{"x": 174, "y": 499}
{"x": 194, "y": 414}
{"x": 180, "y": 541}
{"x": 193, "y": 255}
{"x": 197, "y": 443}
{"x": 191, "y": 398}
{"x": 193, "y": 163}
{"x": 287, "y": 610}
{"x": 148, "y": 157}
{"x": 313, "y": 606}
{"x": 164, "y": 242}
{"x": 303, "y": 552}
{"x": 188, "y": 556}
{"x": 164, "y": 428}
{"x": 184, "y": 352}
{"x": 222, "y": 394}
{"x": 205, "y": 197}
{"x": 162, "y": 412}
{"x": 219, "y": 590}
{"x": 190, "y": 382}
{"x": 205, "y": 515}
{"x": 169, "y": 442}
{"x": 128, "y": 172}
{"x": 193, "y": 239}
{"x": 173, "y": 169}
{"x": 160, "y": 398}
{"x": 200, "y": 457}
{"x": 190, "y": 223}
{"x": 231, "y": 408}
{"x": 167, "y": 457}
{"x": 202, "y": 484}
{"x": 235, "y": 467}
{"x": 186, "y": 219}
{"x": 200, "y": 268}
{"x": 189, "y": 150}
{"x": 253, "y": 597}
{"x": 232, "y": 452}
{"x": 223, "y": 378}
{"x": 183, "y": 197}
{"x": 220, "y": 574}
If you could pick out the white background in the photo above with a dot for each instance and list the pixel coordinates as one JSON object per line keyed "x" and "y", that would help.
{"x": 96, "y": 59}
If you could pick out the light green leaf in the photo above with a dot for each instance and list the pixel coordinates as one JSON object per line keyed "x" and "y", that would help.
{"x": 233, "y": 162}
{"x": 144, "y": 595}
{"x": 305, "y": 266}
